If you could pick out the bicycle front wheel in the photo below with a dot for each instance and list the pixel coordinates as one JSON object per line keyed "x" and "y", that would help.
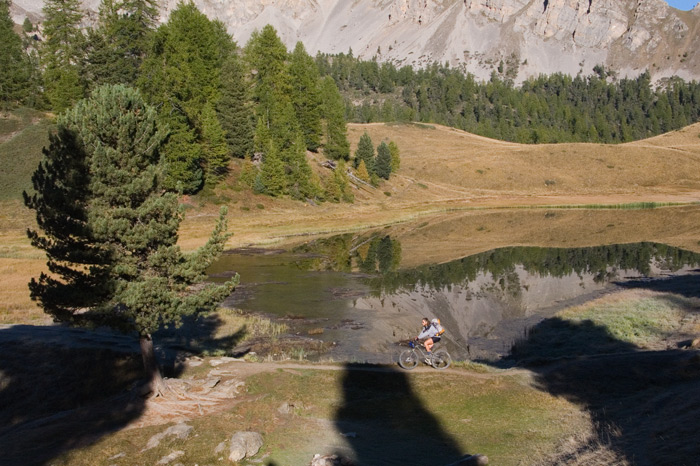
{"x": 441, "y": 359}
{"x": 408, "y": 359}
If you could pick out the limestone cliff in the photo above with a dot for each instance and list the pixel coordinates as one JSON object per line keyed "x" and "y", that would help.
{"x": 530, "y": 37}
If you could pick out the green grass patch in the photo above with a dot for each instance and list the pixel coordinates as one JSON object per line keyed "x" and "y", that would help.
{"x": 638, "y": 322}
{"x": 604, "y": 327}
{"x": 20, "y": 156}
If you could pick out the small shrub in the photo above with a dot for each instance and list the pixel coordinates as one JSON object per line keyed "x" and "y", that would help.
{"x": 387, "y": 193}
{"x": 549, "y": 182}
{"x": 260, "y": 206}
{"x": 245, "y": 208}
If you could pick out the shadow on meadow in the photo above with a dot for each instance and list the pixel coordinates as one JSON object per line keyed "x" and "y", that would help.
{"x": 644, "y": 405}
{"x": 385, "y": 422}
{"x": 684, "y": 285}
{"x": 64, "y": 388}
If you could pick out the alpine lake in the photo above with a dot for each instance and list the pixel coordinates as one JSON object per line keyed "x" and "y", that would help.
{"x": 489, "y": 276}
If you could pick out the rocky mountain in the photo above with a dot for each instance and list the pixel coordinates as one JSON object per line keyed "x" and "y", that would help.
{"x": 521, "y": 37}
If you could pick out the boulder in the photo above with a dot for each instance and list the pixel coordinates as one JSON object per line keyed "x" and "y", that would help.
{"x": 180, "y": 431}
{"x": 244, "y": 444}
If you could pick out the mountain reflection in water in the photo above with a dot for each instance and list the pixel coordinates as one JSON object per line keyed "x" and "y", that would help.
{"x": 353, "y": 287}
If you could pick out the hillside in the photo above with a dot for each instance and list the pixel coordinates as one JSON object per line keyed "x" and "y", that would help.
{"x": 530, "y": 37}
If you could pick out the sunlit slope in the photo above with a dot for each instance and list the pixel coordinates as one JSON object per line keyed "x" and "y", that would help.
{"x": 445, "y": 162}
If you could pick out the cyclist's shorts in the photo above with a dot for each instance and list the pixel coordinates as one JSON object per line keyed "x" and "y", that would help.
{"x": 436, "y": 339}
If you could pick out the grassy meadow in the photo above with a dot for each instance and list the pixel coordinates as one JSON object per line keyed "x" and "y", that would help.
{"x": 548, "y": 404}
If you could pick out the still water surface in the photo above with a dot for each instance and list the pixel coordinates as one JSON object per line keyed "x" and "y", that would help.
{"x": 358, "y": 290}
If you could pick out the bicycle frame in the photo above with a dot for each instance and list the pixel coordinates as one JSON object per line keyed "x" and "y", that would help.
{"x": 439, "y": 359}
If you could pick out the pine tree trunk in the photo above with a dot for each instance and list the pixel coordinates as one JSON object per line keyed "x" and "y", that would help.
{"x": 155, "y": 382}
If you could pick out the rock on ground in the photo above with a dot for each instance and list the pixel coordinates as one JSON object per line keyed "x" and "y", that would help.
{"x": 244, "y": 444}
{"x": 180, "y": 431}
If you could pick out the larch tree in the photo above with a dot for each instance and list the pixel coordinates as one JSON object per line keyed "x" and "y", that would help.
{"x": 16, "y": 72}
{"x": 214, "y": 146}
{"x": 62, "y": 52}
{"x": 116, "y": 48}
{"x": 110, "y": 228}
{"x": 234, "y": 109}
{"x": 306, "y": 95}
{"x": 336, "y": 145}
{"x": 362, "y": 172}
{"x": 266, "y": 57}
{"x": 180, "y": 75}
{"x": 395, "y": 156}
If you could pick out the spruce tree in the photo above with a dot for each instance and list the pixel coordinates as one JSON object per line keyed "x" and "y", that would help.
{"x": 16, "y": 73}
{"x": 233, "y": 108}
{"x": 383, "y": 163}
{"x": 336, "y": 145}
{"x": 62, "y": 52}
{"x": 110, "y": 229}
{"x": 365, "y": 152}
{"x": 306, "y": 95}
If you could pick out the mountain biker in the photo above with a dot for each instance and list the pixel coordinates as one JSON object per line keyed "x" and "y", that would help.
{"x": 430, "y": 332}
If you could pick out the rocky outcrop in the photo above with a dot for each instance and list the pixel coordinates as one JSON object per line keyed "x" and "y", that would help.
{"x": 530, "y": 36}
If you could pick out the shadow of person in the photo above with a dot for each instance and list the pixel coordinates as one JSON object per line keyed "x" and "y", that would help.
{"x": 644, "y": 405}
{"x": 63, "y": 388}
{"x": 60, "y": 388}
{"x": 385, "y": 423}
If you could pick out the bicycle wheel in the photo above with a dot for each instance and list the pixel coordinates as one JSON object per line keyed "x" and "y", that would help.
{"x": 408, "y": 359}
{"x": 441, "y": 359}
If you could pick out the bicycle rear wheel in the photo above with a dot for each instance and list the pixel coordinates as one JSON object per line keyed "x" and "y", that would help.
{"x": 441, "y": 359}
{"x": 408, "y": 359}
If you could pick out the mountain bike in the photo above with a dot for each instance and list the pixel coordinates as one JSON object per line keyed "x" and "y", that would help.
{"x": 409, "y": 359}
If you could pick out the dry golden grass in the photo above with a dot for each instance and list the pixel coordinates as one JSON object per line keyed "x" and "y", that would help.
{"x": 461, "y": 165}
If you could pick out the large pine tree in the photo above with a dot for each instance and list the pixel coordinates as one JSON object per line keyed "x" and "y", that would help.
{"x": 110, "y": 229}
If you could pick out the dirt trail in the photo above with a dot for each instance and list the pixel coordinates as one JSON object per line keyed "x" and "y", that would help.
{"x": 222, "y": 387}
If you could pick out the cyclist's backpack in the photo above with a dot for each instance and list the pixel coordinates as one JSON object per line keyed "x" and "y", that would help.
{"x": 436, "y": 323}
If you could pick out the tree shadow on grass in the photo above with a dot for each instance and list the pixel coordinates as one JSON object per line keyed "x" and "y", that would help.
{"x": 64, "y": 388}
{"x": 385, "y": 423}
{"x": 644, "y": 405}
